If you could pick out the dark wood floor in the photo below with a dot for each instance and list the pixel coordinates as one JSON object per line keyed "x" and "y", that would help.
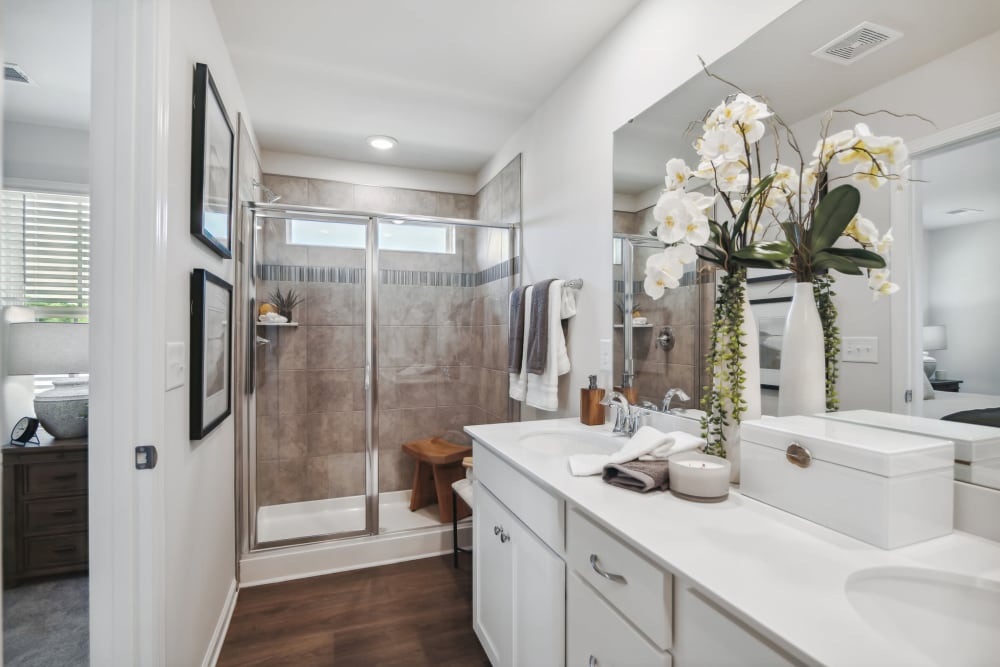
{"x": 413, "y": 613}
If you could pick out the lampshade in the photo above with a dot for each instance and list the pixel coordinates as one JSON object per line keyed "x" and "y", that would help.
{"x": 935, "y": 337}
{"x": 47, "y": 348}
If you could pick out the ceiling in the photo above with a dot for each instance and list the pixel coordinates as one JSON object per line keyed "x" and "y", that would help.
{"x": 777, "y": 61}
{"x": 450, "y": 79}
{"x": 949, "y": 183}
{"x": 50, "y": 40}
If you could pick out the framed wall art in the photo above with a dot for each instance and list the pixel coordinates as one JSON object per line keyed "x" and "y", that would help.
{"x": 211, "y": 352}
{"x": 211, "y": 166}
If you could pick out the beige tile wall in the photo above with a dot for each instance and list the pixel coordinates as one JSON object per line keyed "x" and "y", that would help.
{"x": 441, "y": 350}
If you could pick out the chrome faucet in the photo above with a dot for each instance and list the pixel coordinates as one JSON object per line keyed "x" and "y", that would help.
{"x": 669, "y": 396}
{"x": 626, "y": 418}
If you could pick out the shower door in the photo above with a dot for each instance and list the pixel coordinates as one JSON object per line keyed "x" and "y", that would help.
{"x": 315, "y": 466}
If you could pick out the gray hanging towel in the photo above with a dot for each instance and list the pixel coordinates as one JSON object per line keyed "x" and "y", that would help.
{"x": 538, "y": 329}
{"x": 641, "y": 476}
{"x": 515, "y": 330}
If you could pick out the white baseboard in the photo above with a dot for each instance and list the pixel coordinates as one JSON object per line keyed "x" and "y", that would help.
{"x": 222, "y": 626}
{"x": 285, "y": 564}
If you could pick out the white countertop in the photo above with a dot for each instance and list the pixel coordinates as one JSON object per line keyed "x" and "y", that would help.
{"x": 783, "y": 575}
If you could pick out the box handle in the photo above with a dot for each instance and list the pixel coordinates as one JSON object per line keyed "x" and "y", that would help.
{"x": 798, "y": 455}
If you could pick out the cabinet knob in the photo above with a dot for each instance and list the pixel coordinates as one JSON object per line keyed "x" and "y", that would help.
{"x": 596, "y": 564}
{"x": 798, "y": 455}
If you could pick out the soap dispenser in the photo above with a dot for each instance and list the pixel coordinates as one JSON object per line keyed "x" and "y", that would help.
{"x": 591, "y": 410}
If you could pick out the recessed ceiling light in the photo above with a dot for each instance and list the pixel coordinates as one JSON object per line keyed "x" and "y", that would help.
{"x": 382, "y": 142}
{"x": 963, "y": 211}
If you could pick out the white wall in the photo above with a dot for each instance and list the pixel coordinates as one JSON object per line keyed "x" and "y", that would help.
{"x": 954, "y": 89}
{"x": 961, "y": 297}
{"x": 366, "y": 173}
{"x": 198, "y": 476}
{"x": 567, "y": 151}
{"x": 43, "y": 156}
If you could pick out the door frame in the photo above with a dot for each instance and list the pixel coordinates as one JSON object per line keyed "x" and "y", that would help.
{"x": 904, "y": 212}
{"x": 129, "y": 134}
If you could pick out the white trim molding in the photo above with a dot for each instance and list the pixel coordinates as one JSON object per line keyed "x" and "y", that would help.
{"x": 222, "y": 626}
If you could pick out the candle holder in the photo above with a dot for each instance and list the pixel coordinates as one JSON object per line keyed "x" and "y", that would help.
{"x": 698, "y": 477}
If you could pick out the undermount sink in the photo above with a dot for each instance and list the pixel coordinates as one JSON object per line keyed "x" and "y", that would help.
{"x": 950, "y": 618}
{"x": 565, "y": 443}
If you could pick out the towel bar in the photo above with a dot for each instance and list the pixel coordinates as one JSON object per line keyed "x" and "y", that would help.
{"x": 575, "y": 283}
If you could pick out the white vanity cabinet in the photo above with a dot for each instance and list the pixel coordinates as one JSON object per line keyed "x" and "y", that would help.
{"x": 519, "y": 582}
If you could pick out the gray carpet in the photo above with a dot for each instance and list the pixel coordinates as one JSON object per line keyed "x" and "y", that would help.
{"x": 46, "y": 624}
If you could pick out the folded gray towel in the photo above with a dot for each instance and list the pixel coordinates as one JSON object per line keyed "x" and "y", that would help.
{"x": 538, "y": 329}
{"x": 515, "y": 330}
{"x": 641, "y": 476}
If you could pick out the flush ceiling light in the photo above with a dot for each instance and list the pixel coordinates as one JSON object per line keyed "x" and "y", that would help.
{"x": 381, "y": 142}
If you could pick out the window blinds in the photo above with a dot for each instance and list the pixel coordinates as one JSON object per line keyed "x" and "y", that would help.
{"x": 45, "y": 253}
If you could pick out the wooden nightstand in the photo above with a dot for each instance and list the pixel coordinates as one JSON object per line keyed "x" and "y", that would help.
{"x": 946, "y": 385}
{"x": 44, "y": 510}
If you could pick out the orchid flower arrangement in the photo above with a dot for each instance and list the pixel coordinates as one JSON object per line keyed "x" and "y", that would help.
{"x": 754, "y": 198}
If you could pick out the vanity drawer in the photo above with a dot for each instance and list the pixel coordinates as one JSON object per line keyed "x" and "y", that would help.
{"x": 639, "y": 589}
{"x": 538, "y": 509}
{"x": 55, "y": 478}
{"x": 56, "y": 515}
{"x": 597, "y": 636}
{"x": 56, "y": 551}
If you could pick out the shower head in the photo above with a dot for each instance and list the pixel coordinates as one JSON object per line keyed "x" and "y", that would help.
{"x": 270, "y": 194}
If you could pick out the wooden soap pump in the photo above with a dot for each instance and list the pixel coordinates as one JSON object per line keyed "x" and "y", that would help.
{"x": 591, "y": 410}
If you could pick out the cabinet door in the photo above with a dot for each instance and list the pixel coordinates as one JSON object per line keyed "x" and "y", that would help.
{"x": 539, "y": 601}
{"x": 493, "y": 577}
{"x": 707, "y": 636}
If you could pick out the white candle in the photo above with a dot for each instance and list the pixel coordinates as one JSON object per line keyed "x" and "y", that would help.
{"x": 697, "y": 476}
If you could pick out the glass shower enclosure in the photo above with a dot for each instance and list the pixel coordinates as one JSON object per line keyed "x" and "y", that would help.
{"x": 397, "y": 332}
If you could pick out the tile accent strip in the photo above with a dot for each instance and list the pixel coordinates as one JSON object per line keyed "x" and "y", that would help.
{"x": 355, "y": 276}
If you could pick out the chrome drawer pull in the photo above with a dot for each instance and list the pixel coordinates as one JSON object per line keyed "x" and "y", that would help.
{"x": 504, "y": 538}
{"x": 592, "y": 662}
{"x": 64, "y": 478}
{"x": 497, "y": 530}
{"x": 595, "y": 563}
{"x": 798, "y": 455}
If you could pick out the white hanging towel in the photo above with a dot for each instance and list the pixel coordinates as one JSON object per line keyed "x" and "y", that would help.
{"x": 543, "y": 390}
{"x": 519, "y": 381}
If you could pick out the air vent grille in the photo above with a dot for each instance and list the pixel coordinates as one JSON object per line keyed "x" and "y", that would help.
{"x": 857, "y": 43}
{"x": 12, "y": 72}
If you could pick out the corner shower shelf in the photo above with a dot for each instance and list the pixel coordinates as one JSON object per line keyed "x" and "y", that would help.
{"x": 277, "y": 324}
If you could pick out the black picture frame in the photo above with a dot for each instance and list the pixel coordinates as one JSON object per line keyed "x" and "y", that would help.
{"x": 212, "y": 149}
{"x": 211, "y": 352}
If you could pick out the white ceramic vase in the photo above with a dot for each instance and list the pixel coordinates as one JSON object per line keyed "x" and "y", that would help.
{"x": 751, "y": 387}
{"x": 802, "y": 378}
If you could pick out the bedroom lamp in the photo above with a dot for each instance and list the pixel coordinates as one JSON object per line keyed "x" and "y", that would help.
{"x": 935, "y": 338}
{"x": 54, "y": 348}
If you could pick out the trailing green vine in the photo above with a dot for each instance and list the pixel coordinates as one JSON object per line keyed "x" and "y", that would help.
{"x": 723, "y": 402}
{"x": 823, "y": 292}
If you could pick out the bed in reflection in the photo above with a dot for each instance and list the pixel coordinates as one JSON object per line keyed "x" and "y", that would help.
{"x": 951, "y": 404}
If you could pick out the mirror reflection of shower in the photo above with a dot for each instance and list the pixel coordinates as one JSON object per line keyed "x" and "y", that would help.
{"x": 270, "y": 195}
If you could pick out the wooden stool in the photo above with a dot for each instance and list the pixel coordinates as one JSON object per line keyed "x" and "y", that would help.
{"x": 439, "y": 464}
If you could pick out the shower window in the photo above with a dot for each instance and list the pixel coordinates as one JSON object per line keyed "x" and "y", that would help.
{"x": 403, "y": 235}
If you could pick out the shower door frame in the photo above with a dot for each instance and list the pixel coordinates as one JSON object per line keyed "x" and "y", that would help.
{"x": 629, "y": 243}
{"x": 246, "y": 458}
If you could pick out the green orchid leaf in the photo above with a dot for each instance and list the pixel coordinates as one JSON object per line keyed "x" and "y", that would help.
{"x": 791, "y": 232}
{"x": 764, "y": 184}
{"x": 866, "y": 259}
{"x": 771, "y": 251}
{"x": 833, "y": 214}
{"x": 826, "y": 260}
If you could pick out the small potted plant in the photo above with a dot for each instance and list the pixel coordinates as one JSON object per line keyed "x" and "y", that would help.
{"x": 285, "y": 303}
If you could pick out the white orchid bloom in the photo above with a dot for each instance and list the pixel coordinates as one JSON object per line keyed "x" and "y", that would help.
{"x": 878, "y": 282}
{"x": 673, "y": 216}
{"x": 731, "y": 177}
{"x": 884, "y": 244}
{"x": 705, "y": 170}
{"x": 862, "y": 230}
{"x": 720, "y": 145}
{"x": 678, "y": 174}
{"x": 751, "y": 110}
{"x": 665, "y": 270}
{"x": 873, "y": 174}
{"x": 825, "y": 148}
{"x": 752, "y": 131}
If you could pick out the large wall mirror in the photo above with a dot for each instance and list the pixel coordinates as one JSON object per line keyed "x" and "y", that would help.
{"x": 934, "y": 341}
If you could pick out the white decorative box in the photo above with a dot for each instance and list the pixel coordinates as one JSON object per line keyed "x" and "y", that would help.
{"x": 884, "y": 487}
{"x": 977, "y": 448}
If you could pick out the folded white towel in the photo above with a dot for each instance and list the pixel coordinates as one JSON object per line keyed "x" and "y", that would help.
{"x": 680, "y": 442}
{"x": 647, "y": 439}
{"x": 518, "y": 386}
{"x": 543, "y": 390}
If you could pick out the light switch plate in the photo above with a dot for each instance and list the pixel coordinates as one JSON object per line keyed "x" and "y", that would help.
{"x": 176, "y": 368}
{"x": 859, "y": 349}
{"x": 606, "y": 354}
